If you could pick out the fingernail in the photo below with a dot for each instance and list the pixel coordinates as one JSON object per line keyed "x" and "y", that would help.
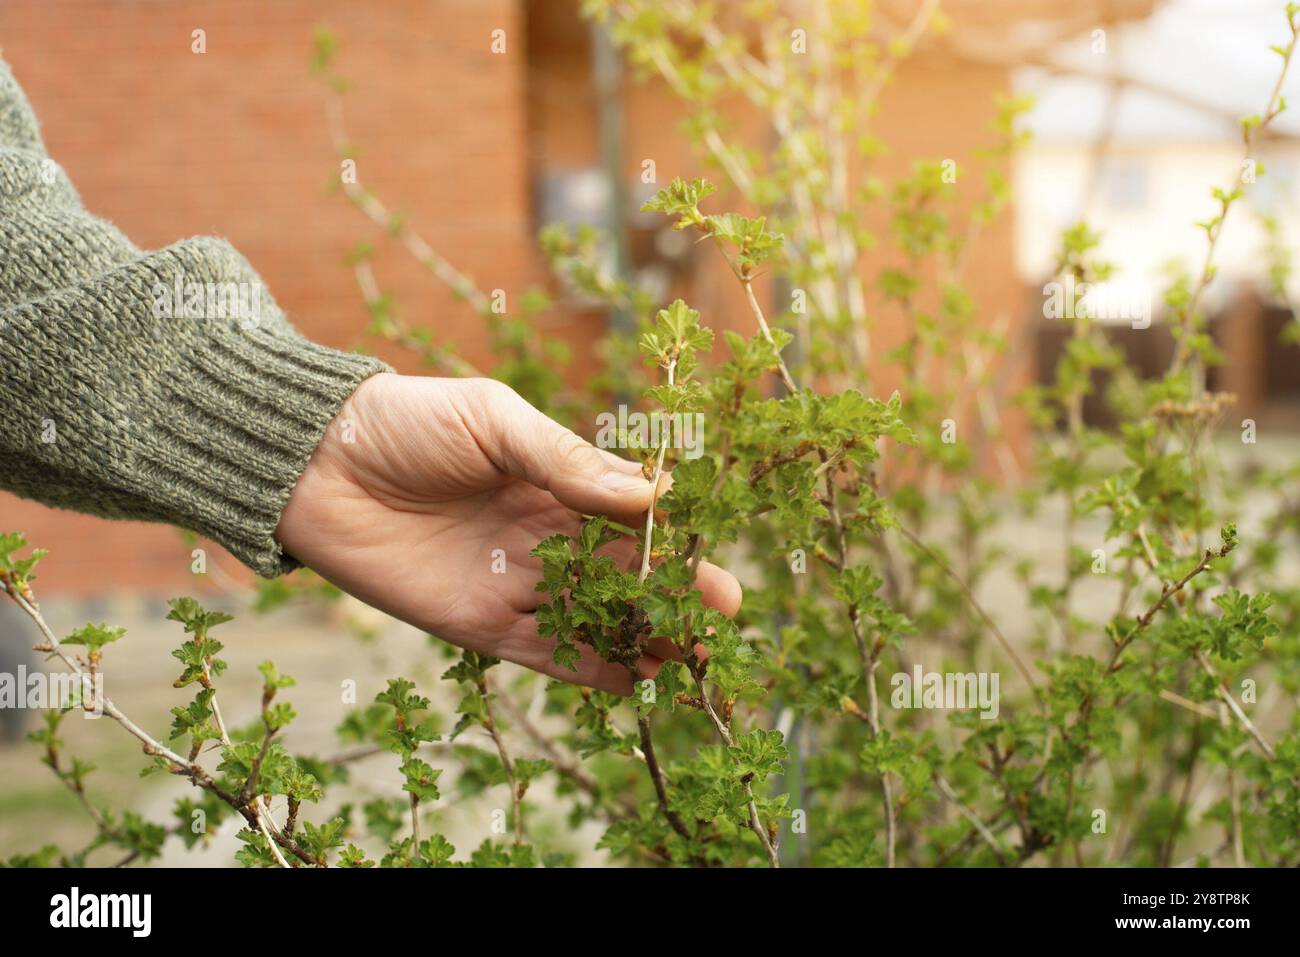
{"x": 623, "y": 482}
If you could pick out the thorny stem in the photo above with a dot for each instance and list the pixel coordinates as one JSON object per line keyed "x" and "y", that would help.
{"x": 374, "y": 299}
{"x": 724, "y": 733}
{"x": 733, "y": 163}
{"x": 644, "y": 722}
{"x": 899, "y": 49}
{"x": 1073, "y": 402}
{"x": 980, "y": 828}
{"x": 564, "y": 765}
{"x": 1235, "y": 708}
{"x": 79, "y": 791}
{"x": 1201, "y": 658}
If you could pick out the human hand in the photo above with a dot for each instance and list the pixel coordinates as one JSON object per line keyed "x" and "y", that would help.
{"x": 438, "y": 475}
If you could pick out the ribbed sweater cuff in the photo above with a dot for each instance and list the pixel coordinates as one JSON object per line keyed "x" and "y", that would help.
{"x": 243, "y": 414}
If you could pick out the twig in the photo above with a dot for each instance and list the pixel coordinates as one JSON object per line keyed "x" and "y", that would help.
{"x": 1251, "y": 134}
{"x": 756, "y": 309}
{"x": 671, "y": 371}
{"x": 657, "y": 776}
{"x": 377, "y": 304}
{"x": 1205, "y": 711}
{"x": 415, "y": 824}
{"x": 516, "y": 798}
{"x": 461, "y": 284}
{"x": 564, "y": 765}
{"x": 724, "y": 733}
{"x": 1231, "y": 702}
{"x": 980, "y": 828}
{"x": 246, "y": 797}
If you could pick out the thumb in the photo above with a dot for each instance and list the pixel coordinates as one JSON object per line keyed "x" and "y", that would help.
{"x": 531, "y": 446}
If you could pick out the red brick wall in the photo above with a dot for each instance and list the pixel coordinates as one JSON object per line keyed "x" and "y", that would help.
{"x": 168, "y": 143}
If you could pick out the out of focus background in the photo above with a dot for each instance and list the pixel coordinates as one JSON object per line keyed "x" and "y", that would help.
{"x": 482, "y": 137}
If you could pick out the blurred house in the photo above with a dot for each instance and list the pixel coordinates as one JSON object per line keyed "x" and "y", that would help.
{"x": 479, "y": 148}
{"x": 1130, "y": 135}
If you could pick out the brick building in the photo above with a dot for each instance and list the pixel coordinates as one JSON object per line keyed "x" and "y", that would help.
{"x": 167, "y": 142}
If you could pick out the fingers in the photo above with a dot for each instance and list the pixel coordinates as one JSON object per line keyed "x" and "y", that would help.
{"x": 528, "y": 445}
{"x": 719, "y": 588}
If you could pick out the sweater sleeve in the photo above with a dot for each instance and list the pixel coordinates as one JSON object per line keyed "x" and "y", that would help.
{"x": 162, "y": 386}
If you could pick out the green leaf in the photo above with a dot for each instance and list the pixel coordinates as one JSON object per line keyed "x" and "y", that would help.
{"x": 94, "y": 637}
{"x": 759, "y": 753}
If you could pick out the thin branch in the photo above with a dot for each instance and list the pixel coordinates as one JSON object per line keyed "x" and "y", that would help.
{"x": 869, "y": 659}
{"x": 1271, "y": 110}
{"x": 564, "y": 765}
{"x": 459, "y": 283}
{"x": 657, "y": 776}
{"x": 671, "y": 371}
{"x": 980, "y": 828}
{"x": 724, "y": 733}
{"x": 786, "y": 379}
{"x": 246, "y": 797}
{"x": 1235, "y": 708}
{"x": 516, "y": 797}
{"x": 1205, "y": 711}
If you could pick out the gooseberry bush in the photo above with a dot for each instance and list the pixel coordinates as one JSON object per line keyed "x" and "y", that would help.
{"x": 1145, "y": 713}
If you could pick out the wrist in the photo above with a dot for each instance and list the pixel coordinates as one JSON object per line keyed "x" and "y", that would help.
{"x": 330, "y": 471}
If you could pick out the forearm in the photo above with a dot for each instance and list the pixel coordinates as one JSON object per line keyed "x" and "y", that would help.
{"x": 163, "y": 386}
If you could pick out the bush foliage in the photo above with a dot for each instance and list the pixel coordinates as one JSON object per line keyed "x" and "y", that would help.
{"x": 864, "y": 526}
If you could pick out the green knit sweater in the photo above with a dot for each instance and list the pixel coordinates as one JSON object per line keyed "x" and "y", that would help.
{"x": 164, "y": 386}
